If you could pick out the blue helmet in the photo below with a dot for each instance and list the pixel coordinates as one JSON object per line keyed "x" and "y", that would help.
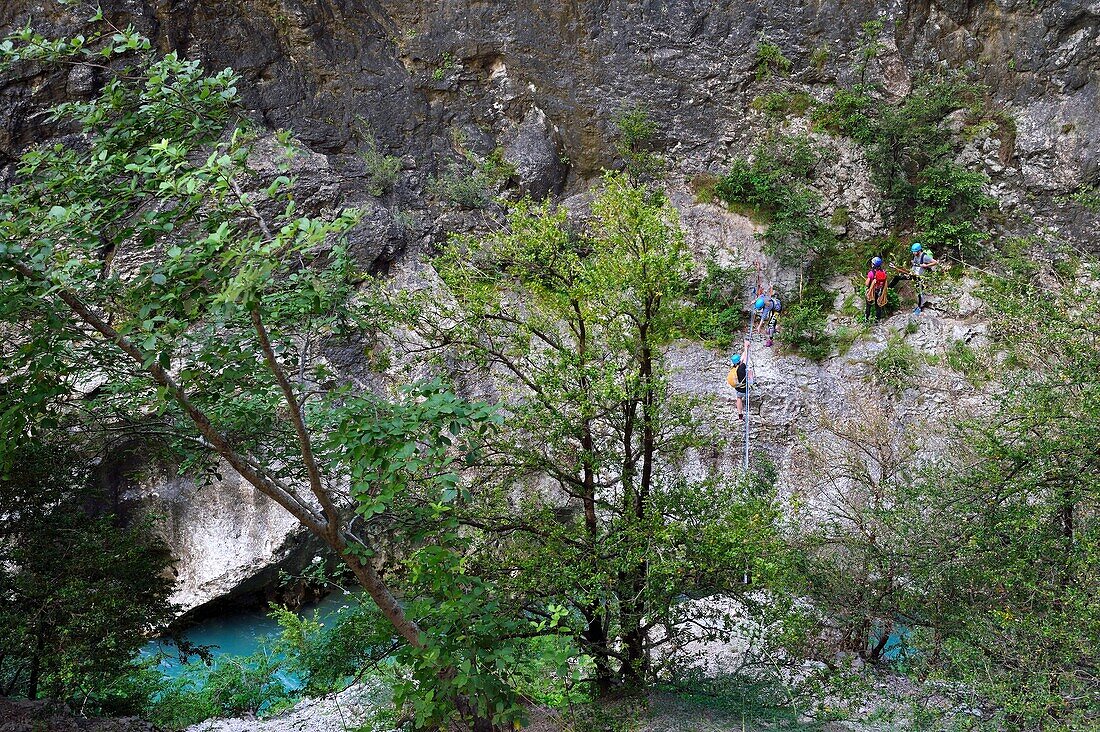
{"x": 735, "y": 359}
{"x": 759, "y": 303}
{"x": 915, "y": 248}
{"x": 876, "y": 262}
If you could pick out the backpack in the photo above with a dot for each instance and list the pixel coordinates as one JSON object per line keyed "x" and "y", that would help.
{"x": 731, "y": 378}
{"x": 777, "y": 305}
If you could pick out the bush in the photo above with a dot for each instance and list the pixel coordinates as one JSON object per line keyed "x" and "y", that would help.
{"x": 1088, "y": 197}
{"x": 803, "y": 329}
{"x": 965, "y": 360}
{"x": 327, "y": 656}
{"x": 774, "y": 186}
{"x": 382, "y": 170}
{"x": 949, "y": 200}
{"x": 637, "y": 131}
{"x": 474, "y": 188}
{"x": 896, "y": 365}
{"x": 226, "y": 687}
{"x": 819, "y": 57}
{"x": 780, "y": 105}
{"x": 463, "y": 189}
{"x": 846, "y": 335}
{"x": 80, "y": 589}
{"x": 848, "y": 113}
{"x": 769, "y": 59}
{"x": 718, "y": 314}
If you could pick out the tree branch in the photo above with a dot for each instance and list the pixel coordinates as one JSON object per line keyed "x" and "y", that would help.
{"x": 304, "y": 443}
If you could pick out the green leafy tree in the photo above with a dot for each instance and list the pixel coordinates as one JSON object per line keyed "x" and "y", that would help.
{"x": 849, "y": 520}
{"x": 1012, "y": 602}
{"x": 595, "y": 524}
{"x": 151, "y": 281}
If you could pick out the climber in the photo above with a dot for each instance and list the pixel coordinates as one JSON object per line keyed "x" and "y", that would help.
{"x": 876, "y": 289}
{"x": 758, "y": 307}
{"x": 771, "y": 317}
{"x": 738, "y": 378}
{"x": 922, "y": 262}
{"x": 765, "y": 307}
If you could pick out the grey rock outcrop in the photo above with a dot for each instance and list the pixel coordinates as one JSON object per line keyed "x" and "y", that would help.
{"x": 416, "y": 72}
{"x": 536, "y": 152}
{"x": 228, "y": 540}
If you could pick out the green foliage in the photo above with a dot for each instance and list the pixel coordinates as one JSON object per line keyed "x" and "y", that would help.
{"x": 870, "y": 45}
{"x": 406, "y": 456}
{"x": 964, "y": 359}
{"x": 1088, "y": 197}
{"x": 819, "y": 57}
{"x": 770, "y": 59}
{"x": 82, "y": 588}
{"x": 949, "y": 201}
{"x": 718, "y": 315}
{"x": 327, "y": 656}
{"x": 575, "y": 323}
{"x": 896, "y": 366}
{"x": 847, "y": 335}
{"x": 804, "y": 328}
{"x": 464, "y": 189}
{"x": 989, "y": 555}
{"x": 382, "y": 169}
{"x": 775, "y": 186}
{"x": 475, "y": 186}
{"x": 147, "y": 259}
{"x": 637, "y": 138}
{"x": 447, "y": 64}
{"x": 780, "y": 105}
{"x": 848, "y": 113}
{"x": 1029, "y": 474}
{"x": 847, "y": 522}
{"x": 911, "y": 152}
{"x": 248, "y": 686}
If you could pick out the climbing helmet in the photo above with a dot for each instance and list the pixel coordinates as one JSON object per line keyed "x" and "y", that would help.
{"x": 735, "y": 359}
{"x": 876, "y": 262}
{"x": 915, "y": 248}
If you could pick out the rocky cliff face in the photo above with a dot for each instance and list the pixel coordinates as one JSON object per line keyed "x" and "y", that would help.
{"x": 544, "y": 81}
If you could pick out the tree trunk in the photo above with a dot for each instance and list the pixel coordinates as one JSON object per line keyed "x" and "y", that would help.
{"x": 635, "y": 610}
{"x": 36, "y": 662}
{"x": 596, "y": 644}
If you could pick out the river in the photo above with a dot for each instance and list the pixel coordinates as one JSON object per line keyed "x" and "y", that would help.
{"x": 236, "y": 635}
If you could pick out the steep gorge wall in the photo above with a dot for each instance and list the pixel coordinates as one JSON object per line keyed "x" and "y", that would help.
{"x": 416, "y": 71}
{"x": 546, "y": 80}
